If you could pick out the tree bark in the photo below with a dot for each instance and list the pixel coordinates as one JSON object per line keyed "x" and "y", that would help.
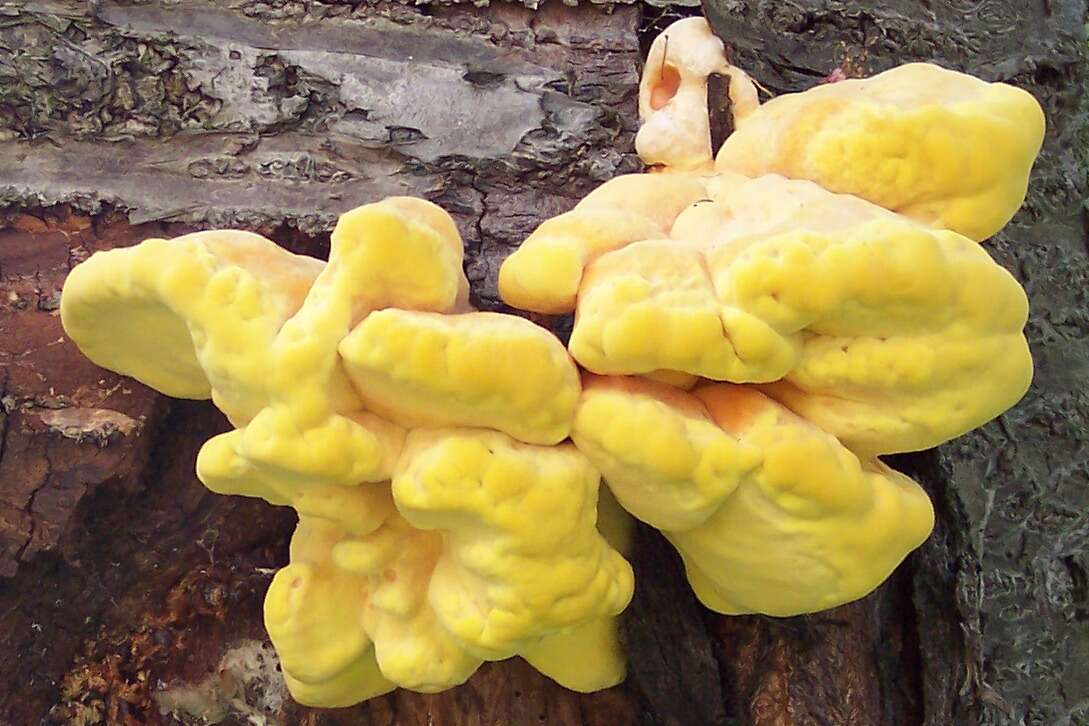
{"x": 130, "y": 594}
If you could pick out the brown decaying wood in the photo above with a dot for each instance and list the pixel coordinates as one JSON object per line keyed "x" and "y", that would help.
{"x": 719, "y": 110}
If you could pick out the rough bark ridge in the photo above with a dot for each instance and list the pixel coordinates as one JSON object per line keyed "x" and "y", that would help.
{"x": 129, "y": 594}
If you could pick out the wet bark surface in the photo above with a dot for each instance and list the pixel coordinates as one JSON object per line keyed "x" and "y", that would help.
{"x": 130, "y": 594}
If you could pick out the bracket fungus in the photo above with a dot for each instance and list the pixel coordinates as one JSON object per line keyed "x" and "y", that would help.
{"x": 770, "y": 513}
{"x": 441, "y": 520}
{"x": 756, "y": 328}
{"x": 762, "y": 321}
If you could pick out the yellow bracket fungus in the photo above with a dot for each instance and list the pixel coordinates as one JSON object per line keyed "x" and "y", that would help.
{"x": 889, "y": 334}
{"x": 756, "y": 328}
{"x": 440, "y": 525}
{"x": 761, "y": 321}
{"x": 770, "y": 513}
{"x": 941, "y": 147}
{"x": 676, "y": 130}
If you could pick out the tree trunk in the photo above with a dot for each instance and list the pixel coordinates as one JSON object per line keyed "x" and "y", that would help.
{"x": 130, "y": 594}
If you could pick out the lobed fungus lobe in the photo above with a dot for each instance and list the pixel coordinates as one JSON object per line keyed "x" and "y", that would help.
{"x": 770, "y": 514}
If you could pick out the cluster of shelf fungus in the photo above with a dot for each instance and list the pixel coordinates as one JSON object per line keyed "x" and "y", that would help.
{"x": 754, "y": 328}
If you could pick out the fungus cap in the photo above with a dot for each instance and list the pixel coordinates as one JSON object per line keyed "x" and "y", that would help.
{"x": 889, "y": 334}
{"x": 944, "y": 148}
{"x": 476, "y": 369}
{"x": 786, "y": 521}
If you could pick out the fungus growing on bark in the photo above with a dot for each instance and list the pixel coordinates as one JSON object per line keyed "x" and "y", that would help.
{"x": 829, "y": 263}
{"x": 891, "y": 335}
{"x": 944, "y": 148}
{"x": 820, "y": 295}
{"x": 420, "y": 552}
{"x": 770, "y": 513}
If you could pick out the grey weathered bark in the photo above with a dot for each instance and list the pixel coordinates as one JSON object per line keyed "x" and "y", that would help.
{"x": 126, "y": 588}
